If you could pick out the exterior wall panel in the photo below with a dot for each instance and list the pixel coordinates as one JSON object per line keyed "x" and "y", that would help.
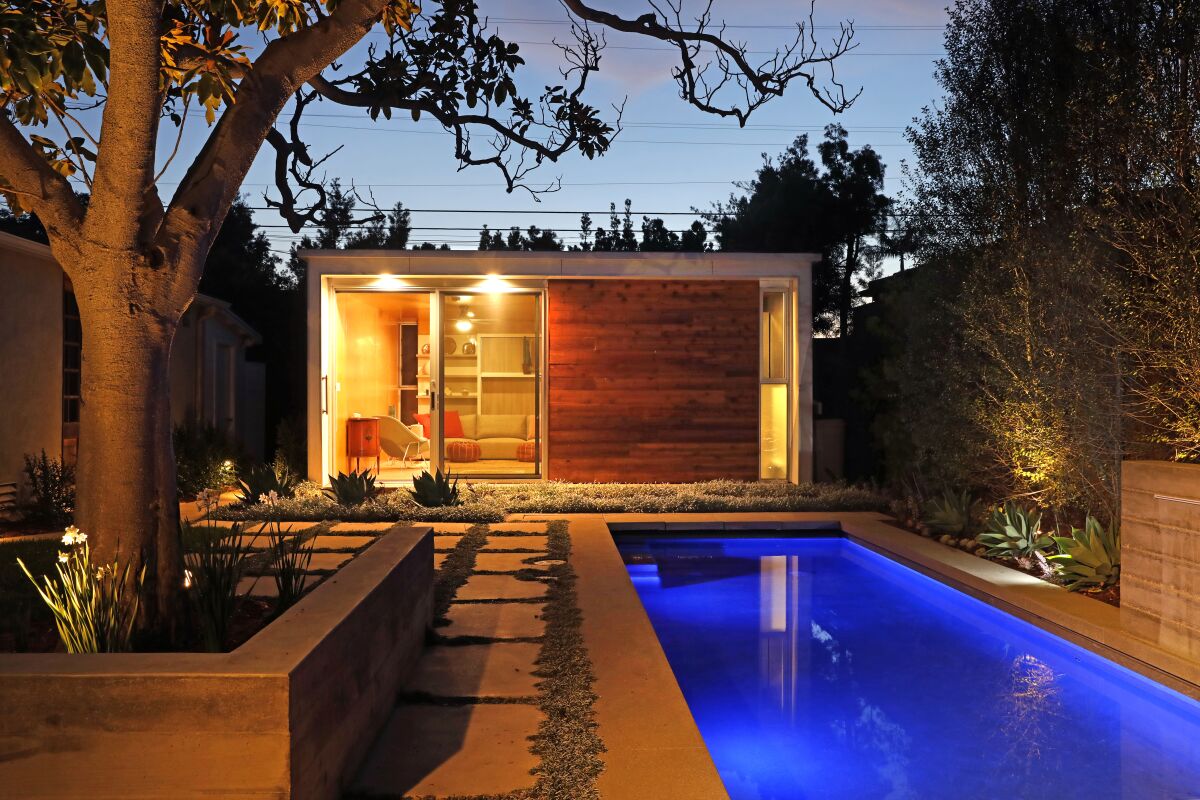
{"x": 652, "y": 380}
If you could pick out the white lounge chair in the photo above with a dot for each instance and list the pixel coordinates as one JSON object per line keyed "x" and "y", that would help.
{"x": 400, "y": 439}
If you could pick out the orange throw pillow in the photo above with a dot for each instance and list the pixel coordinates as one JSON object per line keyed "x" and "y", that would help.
{"x": 453, "y": 423}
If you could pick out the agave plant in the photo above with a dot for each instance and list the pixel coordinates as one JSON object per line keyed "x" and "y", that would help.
{"x": 353, "y": 489}
{"x": 1014, "y": 531}
{"x": 951, "y": 513}
{"x": 434, "y": 491}
{"x": 1090, "y": 558}
{"x": 262, "y": 479}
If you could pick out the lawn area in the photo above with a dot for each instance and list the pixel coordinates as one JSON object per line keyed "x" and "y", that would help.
{"x": 491, "y": 502}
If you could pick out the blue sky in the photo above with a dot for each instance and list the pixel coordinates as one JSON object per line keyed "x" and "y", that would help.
{"x": 670, "y": 157}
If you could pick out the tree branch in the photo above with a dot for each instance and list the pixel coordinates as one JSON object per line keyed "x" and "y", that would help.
{"x": 286, "y": 64}
{"x": 124, "y": 173}
{"x": 759, "y": 83}
{"x": 43, "y": 191}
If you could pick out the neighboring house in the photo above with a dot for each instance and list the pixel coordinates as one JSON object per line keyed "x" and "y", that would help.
{"x": 40, "y": 356}
{"x": 569, "y": 366}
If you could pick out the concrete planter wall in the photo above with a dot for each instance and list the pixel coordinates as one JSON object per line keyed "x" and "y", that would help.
{"x": 1160, "y": 554}
{"x": 287, "y": 715}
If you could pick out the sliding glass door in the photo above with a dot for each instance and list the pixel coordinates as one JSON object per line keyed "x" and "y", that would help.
{"x": 428, "y": 378}
{"x": 490, "y": 399}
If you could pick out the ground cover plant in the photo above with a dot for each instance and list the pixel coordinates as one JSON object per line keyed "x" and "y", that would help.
{"x": 491, "y": 502}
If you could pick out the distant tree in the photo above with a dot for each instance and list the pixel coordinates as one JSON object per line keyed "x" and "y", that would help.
{"x": 388, "y": 231}
{"x": 695, "y": 238}
{"x": 534, "y": 238}
{"x": 656, "y": 237}
{"x": 792, "y": 206}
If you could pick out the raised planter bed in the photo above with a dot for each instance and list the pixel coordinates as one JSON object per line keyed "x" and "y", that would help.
{"x": 289, "y": 714}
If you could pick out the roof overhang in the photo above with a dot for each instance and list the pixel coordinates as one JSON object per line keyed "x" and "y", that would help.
{"x": 558, "y": 265}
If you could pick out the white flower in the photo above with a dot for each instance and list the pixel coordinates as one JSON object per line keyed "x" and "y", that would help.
{"x": 270, "y": 498}
{"x": 80, "y": 538}
{"x": 62, "y": 558}
{"x": 207, "y": 498}
{"x": 72, "y": 536}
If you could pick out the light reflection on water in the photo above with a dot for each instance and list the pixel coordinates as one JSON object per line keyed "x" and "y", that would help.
{"x": 816, "y": 669}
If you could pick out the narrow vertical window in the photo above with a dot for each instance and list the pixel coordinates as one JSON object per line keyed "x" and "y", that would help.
{"x": 773, "y": 389}
{"x": 71, "y": 371}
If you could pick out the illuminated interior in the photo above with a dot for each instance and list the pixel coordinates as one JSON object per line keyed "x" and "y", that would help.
{"x": 774, "y": 378}
{"x": 404, "y": 400}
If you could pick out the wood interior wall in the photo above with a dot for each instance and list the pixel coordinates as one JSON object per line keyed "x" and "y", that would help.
{"x": 652, "y": 380}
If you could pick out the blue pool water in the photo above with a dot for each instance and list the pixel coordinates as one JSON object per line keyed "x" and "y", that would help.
{"x": 819, "y": 670}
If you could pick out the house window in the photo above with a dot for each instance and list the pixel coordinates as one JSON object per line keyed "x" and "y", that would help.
{"x": 774, "y": 374}
{"x": 72, "y": 363}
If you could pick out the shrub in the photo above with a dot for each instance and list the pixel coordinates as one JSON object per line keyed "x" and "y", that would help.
{"x": 52, "y": 489}
{"x": 215, "y": 562}
{"x": 1015, "y": 532}
{"x": 1090, "y": 558}
{"x": 435, "y": 491}
{"x": 94, "y": 607}
{"x": 353, "y": 489}
{"x": 952, "y": 514}
{"x": 204, "y": 459}
{"x": 260, "y": 480}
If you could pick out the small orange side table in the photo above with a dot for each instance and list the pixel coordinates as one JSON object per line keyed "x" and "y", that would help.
{"x": 362, "y": 440}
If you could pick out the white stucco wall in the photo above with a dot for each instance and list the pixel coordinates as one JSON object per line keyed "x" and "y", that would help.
{"x": 31, "y": 296}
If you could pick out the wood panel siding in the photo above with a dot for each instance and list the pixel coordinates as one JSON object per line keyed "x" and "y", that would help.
{"x": 652, "y": 380}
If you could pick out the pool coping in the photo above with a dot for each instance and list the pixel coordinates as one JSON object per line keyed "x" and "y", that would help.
{"x": 1089, "y": 623}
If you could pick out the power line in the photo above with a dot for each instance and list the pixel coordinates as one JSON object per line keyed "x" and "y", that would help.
{"x": 623, "y": 140}
{"x": 565, "y": 23}
{"x": 383, "y": 37}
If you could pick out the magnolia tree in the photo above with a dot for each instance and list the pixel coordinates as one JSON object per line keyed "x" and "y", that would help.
{"x": 135, "y": 255}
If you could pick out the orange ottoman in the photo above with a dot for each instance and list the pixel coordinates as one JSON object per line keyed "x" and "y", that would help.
{"x": 527, "y": 451}
{"x": 462, "y": 451}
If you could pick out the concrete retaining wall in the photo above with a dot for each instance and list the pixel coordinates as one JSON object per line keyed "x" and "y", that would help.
{"x": 287, "y": 715}
{"x": 1160, "y": 554}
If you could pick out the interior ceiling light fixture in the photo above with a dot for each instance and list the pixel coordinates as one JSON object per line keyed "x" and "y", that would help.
{"x": 388, "y": 282}
{"x": 494, "y": 284}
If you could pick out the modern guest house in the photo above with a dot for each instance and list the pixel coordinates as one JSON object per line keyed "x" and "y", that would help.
{"x": 570, "y": 366}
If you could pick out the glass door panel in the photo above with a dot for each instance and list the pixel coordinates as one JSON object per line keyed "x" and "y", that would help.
{"x": 381, "y": 383}
{"x": 491, "y": 383}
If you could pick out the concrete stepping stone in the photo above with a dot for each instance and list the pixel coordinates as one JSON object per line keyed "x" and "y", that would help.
{"x": 517, "y": 543}
{"x": 451, "y": 751}
{"x": 499, "y": 587}
{"x": 504, "y": 562}
{"x": 363, "y": 526}
{"x": 496, "y": 620}
{"x": 445, "y": 542}
{"x": 326, "y": 542}
{"x": 477, "y": 670}
{"x": 322, "y": 562}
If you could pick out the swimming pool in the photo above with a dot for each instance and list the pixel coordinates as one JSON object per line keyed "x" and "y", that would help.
{"x": 819, "y": 670}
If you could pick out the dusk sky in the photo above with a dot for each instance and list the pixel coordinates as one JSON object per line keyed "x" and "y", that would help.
{"x": 669, "y": 157}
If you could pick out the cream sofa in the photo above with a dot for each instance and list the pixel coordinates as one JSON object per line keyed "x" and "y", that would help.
{"x": 498, "y": 435}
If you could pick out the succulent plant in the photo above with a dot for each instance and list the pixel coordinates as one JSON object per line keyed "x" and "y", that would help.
{"x": 1014, "y": 531}
{"x": 1090, "y": 558}
{"x": 434, "y": 491}
{"x": 262, "y": 479}
{"x": 353, "y": 489}
{"x": 951, "y": 514}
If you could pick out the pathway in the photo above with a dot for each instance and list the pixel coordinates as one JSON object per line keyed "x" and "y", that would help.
{"x": 468, "y": 721}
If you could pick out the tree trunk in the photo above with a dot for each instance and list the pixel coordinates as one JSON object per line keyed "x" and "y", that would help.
{"x": 847, "y": 287}
{"x": 126, "y": 499}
